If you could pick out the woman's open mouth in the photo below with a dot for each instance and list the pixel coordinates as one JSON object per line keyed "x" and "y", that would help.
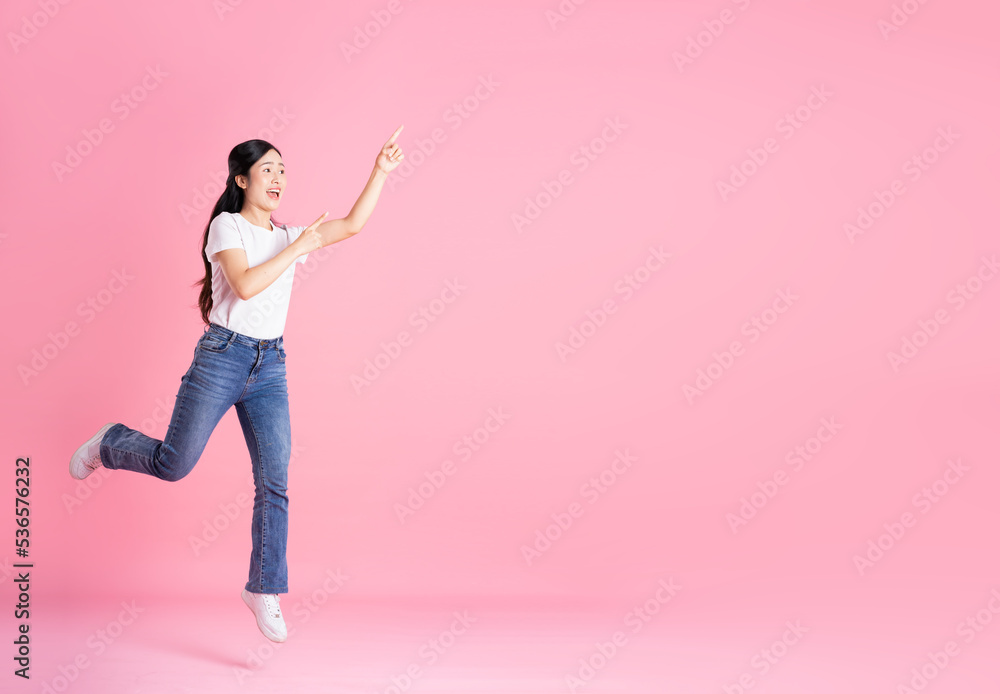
{"x": 274, "y": 193}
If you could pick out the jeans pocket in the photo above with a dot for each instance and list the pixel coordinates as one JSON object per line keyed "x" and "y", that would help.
{"x": 211, "y": 342}
{"x": 280, "y": 346}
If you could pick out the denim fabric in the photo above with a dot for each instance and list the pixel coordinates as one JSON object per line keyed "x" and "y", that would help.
{"x": 228, "y": 369}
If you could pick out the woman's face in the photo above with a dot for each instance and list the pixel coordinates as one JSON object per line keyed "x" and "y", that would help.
{"x": 265, "y": 176}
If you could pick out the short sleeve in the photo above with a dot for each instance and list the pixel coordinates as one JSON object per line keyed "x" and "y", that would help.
{"x": 222, "y": 234}
{"x": 294, "y": 233}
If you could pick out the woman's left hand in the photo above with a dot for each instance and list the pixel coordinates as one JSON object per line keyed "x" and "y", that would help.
{"x": 390, "y": 156}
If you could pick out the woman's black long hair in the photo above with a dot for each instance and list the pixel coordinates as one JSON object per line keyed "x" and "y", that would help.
{"x": 241, "y": 158}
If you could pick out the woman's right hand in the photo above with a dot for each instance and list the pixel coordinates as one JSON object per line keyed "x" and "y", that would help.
{"x": 311, "y": 239}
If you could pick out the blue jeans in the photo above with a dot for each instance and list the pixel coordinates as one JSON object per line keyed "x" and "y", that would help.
{"x": 228, "y": 369}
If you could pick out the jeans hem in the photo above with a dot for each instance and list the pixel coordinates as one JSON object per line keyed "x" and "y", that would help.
{"x": 265, "y": 590}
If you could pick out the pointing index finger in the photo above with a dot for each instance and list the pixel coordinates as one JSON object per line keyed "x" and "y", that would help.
{"x": 394, "y": 135}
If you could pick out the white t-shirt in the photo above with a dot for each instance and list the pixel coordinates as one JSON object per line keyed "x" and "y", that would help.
{"x": 261, "y": 316}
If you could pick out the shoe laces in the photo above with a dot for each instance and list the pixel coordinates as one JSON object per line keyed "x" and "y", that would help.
{"x": 271, "y": 603}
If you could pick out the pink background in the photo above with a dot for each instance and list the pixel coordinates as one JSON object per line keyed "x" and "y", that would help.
{"x": 138, "y": 203}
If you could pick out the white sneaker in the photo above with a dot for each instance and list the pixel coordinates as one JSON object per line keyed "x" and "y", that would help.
{"x": 88, "y": 456}
{"x": 265, "y": 608}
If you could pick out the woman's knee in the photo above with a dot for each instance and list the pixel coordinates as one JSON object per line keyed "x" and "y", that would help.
{"x": 175, "y": 474}
{"x": 175, "y": 468}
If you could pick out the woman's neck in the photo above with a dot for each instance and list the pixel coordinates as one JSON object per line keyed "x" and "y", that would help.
{"x": 262, "y": 220}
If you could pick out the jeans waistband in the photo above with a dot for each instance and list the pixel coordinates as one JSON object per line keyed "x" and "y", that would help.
{"x": 240, "y": 337}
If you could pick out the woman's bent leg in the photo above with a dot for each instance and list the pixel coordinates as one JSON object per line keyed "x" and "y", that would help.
{"x": 206, "y": 392}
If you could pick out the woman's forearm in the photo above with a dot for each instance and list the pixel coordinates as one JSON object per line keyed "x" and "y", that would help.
{"x": 259, "y": 277}
{"x": 365, "y": 205}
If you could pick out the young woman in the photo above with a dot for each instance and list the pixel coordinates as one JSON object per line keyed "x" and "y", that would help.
{"x": 239, "y": 360}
